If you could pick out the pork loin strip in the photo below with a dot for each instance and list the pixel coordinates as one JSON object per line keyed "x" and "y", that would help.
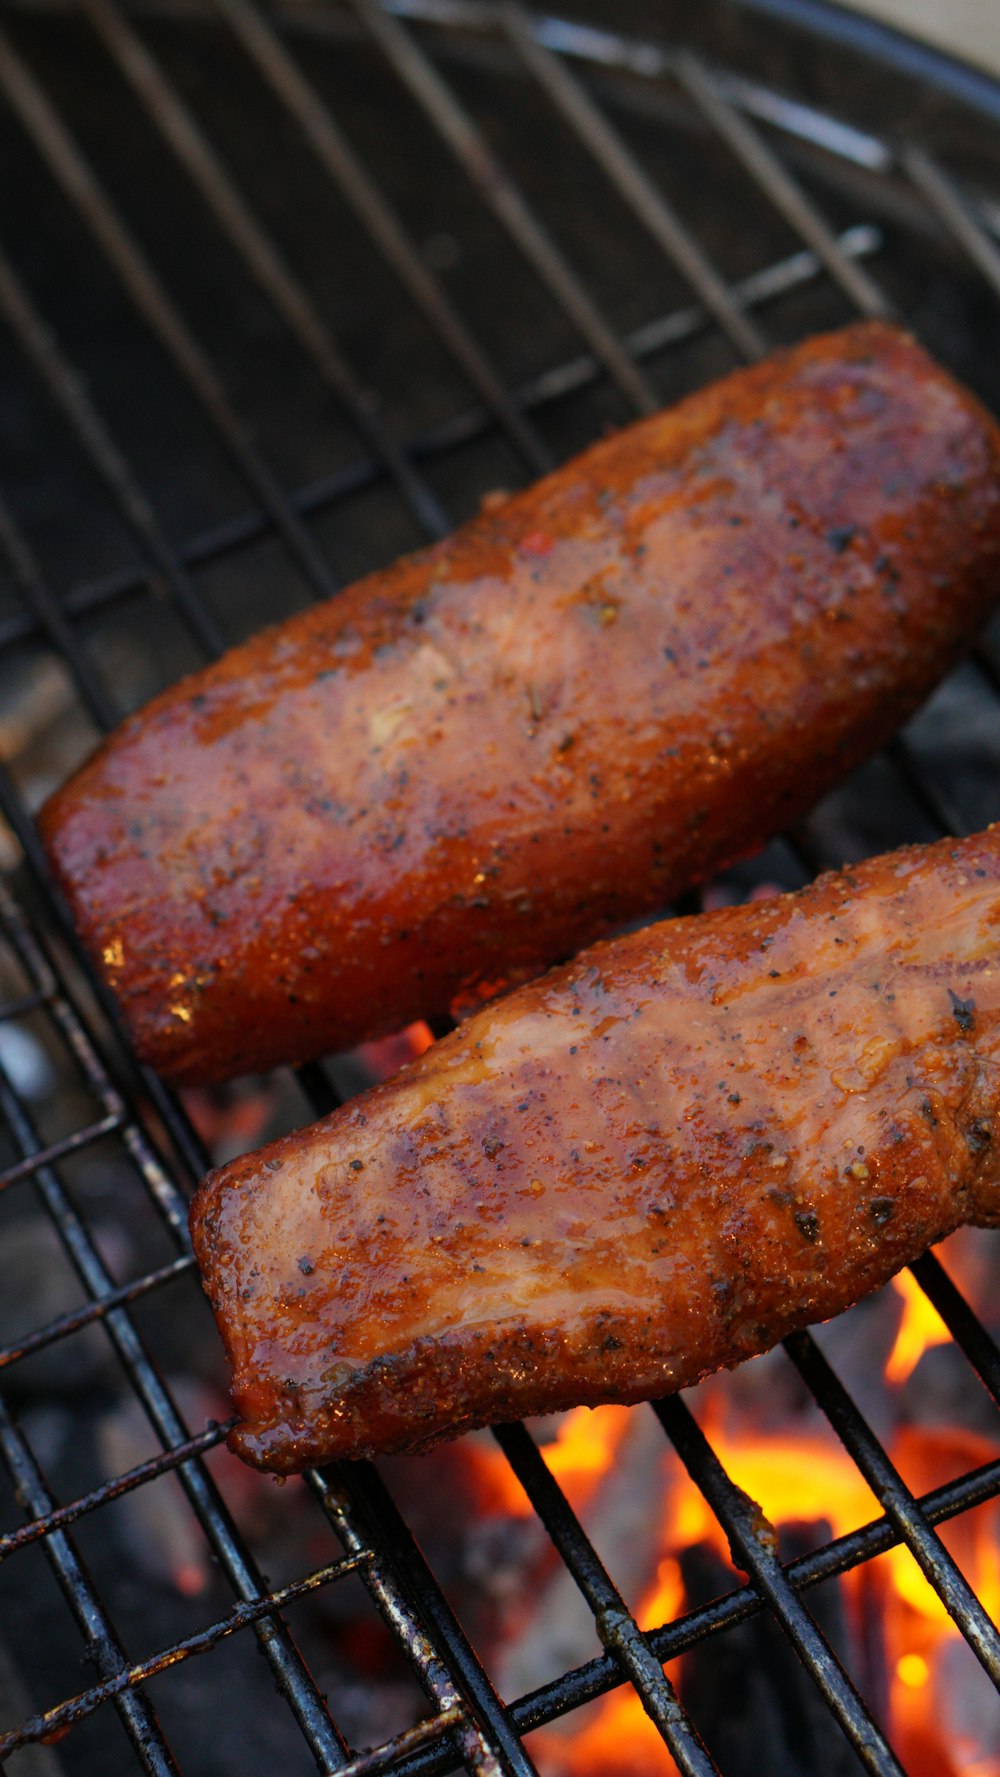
{"x": 652, "y": 1162}
{"x": 589, "y": 698}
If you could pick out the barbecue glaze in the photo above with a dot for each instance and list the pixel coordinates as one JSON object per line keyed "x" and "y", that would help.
{"x": 590, "y": 697}
{"x": 650, "y": 1163}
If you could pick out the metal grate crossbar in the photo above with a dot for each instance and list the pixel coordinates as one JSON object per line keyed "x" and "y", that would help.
{"x": 765, "y": 145}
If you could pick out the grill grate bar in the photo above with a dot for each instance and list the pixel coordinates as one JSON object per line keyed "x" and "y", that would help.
{"x": 498, "y": 189}
{"x": 570, "y": 378}
{"x": 804, "y": 123}
{"x": 433, "y": 1675}
{"x": 368, "y": 1494}
{"x": 167, "y": 1196}
{"x": 441, "y": 1685}
{"x": 773, "y": 177}
{"x": 965, "y": 1500}
{"x": 672, "y": 235}
{"x": 73, "y": 173}
{"x": 290, "y": 1672}
{"x": 65, "y": 1324}
{"x": 70, "y": 394}
{"x": 753, "y": 1543}
{"x": 260, "y": 253}
{"x": 30, "y": 1002}
{"x": 950, "y": 206}
{"x": 401, "y": 1746}
{"x": 347, "y": 170}
{"x": 27, "y": 577}
{"x": 602, "y": 1674}
{"x": 429, "y": 1668}
{"x": 616, "y": 1625}
{"x": 103, "y": 1645}
{"x": 619, "y": 54}
{"x": 60, "y": 1516}
{"x": 57, "y": 1150}
{"x": 122, "y": 1683}
{"x": 966, "y": 1328}
{"x": 926, "y": 1547}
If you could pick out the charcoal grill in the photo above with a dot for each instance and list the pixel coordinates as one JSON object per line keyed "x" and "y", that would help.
{"x": 282, "y": 293}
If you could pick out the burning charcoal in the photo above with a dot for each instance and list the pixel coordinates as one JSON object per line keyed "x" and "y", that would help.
{"x": 487, "y": 1550}
{"x": 233, "y": 1117}
{"x": 368, "y": 1715}
{"x": 766, "y": 1391}
{"x": 943, "y": 1394}
{"x": 746, "y": 1689}
{"x": 858, "y": 1345}
{"x": 357, "y": 1069}
{"x": 627, "y": 1498}
{"x": 954, "y": 739}
{"x": 386, "y": 1055}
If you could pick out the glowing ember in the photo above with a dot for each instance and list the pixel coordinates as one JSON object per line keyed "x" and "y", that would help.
{"x": 386, "y": 1055}
{"x": 190, "y": 1579}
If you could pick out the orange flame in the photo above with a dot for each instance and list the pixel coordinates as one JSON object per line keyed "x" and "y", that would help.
{"x": 807, "y": 1478}
{"x": 920, "y": 1327}
{"x": 804, "y": 1478}
{"x": 584, "y": 1448}
{"x": 579, "y": 1455}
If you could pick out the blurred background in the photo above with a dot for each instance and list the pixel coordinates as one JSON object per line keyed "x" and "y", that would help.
{"x": 969, "y": 28}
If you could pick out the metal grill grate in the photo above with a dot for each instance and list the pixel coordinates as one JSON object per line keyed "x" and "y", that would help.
{"x": 574, "y": 351}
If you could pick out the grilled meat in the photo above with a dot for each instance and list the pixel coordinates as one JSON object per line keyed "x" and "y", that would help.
{"x": 650, "y": 1163}
{"x": 496, "y": 750}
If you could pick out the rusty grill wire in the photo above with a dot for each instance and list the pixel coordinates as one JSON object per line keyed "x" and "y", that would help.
{"x": 760, "y": 128}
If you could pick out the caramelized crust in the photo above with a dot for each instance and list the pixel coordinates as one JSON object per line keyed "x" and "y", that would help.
{"x": 496, "y": 750}
{"x": 655, "y": 1161}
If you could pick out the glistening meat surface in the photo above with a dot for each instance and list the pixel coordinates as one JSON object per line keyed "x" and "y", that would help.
{"x": 650, "y": 1163}
{"x": 494, "y": 751}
